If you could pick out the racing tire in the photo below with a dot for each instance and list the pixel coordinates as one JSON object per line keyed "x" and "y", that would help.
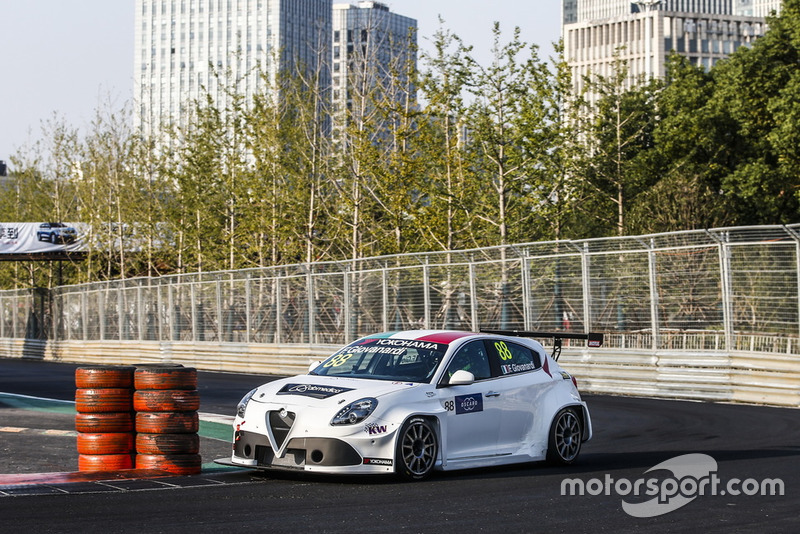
{"x": 416, "y": 450}
{"x": 167, "y": 443}
{"x": 165, "y": 377}
{"x": 166, "y": 400}
{"x": 104, "y": 462}
{"x": 105, "y": 443}
{"x": 99, "y": 400}
{"x": 564, "y": 441}
{"x": 167, "y": 422}
{"x": 177, "y": 464}
{"x": 104, "y": 422}
{"x": 104, "y": 376}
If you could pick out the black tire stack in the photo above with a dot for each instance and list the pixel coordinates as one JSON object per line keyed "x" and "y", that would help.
{"x": 166, "y": 401}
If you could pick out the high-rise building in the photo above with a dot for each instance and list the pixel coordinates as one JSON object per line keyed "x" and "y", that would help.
{"x": 643, "y": 33}
{"x": 185, "y": 48}
{"x": 372, "y": 50}
{"x": 756, "y": 8}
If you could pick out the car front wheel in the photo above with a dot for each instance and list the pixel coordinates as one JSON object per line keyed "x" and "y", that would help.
{"x": 416, "y": 449}
{"x": 564, "y": 442}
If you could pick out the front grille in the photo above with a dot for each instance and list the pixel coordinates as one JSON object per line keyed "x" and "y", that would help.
{"x": 292, "y": 458}
{"x": 300, "y": 451}
{"x": 280, "y": 422}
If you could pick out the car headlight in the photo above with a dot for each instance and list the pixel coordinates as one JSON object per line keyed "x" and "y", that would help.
{"x": 242, "y": 406}
{"x": 355, "y": 412}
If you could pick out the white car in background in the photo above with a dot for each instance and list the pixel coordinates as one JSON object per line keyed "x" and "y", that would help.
{"x": 417, "y": 401}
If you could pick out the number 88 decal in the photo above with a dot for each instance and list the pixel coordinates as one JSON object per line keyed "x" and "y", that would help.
{"x": 503, "y": 350}
{"x": 338, "y": 360}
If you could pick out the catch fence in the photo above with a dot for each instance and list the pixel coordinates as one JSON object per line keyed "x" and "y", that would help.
{"x": 729, "y": 289}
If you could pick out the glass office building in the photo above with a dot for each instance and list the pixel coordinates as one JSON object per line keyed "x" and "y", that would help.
{"x": 643, "y": 33}
{"x": 372, "y": 51}
{"x": 187, "y": 48}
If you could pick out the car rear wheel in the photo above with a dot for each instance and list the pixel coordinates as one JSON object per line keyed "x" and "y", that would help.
{"x": 417, "y": 449}
{"x": 564, "y": 442}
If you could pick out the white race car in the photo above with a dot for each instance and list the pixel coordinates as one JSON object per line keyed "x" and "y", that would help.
{"x": 417, "y": 401}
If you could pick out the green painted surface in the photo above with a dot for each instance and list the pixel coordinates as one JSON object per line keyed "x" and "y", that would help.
{"x": 220, "y": 431}
{"x": 208, "y": 429}
{"x": 24, "y": 402}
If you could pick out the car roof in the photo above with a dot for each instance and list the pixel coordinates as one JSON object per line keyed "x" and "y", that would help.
{"x": 446, "y": 337}
{"x": 433, "y": 336}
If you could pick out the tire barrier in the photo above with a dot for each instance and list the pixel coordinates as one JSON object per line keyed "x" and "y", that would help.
{"x": 166, "y": 401}
{"x": 167, "y": 422}
{"x": 138, "y": 416}
{"x": 103, "y": 376}
{"x": 105, "y": 443}
{"x": 160, "y": 377}
{"x": 167, "y": 444}
{"x": 177, "y": 464}
{"x": 100, "y": 400}
{"x": 104, "y": 462}
{"x": 104, "y": 419}
{"x": 104, "y": 422}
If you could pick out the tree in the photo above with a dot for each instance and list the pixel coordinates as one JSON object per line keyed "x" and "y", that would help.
{"x": 506, "y": 120}
{"x": 196, "y": 216}
{"x": 623, "y": 120}
{"x": 109, "y": 195}
{"x": 448, "y": 191}
{"x": 309, "y": 100}
{"x": 691, "y": 153}
{"x": 758, "y": 88}
{"x": 398, "y": 165}
{"x": 557, "y": 190}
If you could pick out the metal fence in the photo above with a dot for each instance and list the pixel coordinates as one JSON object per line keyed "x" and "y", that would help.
{"x": 706, "y": 290}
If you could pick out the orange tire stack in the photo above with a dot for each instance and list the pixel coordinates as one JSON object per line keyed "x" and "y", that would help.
{"x": 104, "y": 420}
{"x": 166, "y": 401}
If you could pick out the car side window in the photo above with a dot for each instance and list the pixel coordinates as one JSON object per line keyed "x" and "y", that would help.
{"x": 471, "y": 357}
{"x": 513, "y": 358}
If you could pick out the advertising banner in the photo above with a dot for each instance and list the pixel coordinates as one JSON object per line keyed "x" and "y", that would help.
{"x": 39, "y": 237}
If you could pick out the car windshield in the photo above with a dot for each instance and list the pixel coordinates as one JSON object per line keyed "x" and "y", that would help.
{"x": 385, "y": 359}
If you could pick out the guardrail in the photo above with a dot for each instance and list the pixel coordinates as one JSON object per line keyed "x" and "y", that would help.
{"x": 747, "y": 377}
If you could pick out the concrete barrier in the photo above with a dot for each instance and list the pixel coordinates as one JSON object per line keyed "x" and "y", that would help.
{"x": 283, "y": 359}
{"x": 748, "y": 377}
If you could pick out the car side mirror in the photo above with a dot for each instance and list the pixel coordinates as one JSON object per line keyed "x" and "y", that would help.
{"x": 314, "y": 365}
{"x": 461, "y": 378}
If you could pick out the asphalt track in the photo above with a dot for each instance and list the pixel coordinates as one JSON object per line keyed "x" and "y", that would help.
{"x": 750, "y": 444}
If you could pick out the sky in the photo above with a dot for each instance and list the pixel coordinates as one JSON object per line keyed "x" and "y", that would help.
{"x": 65, "y": 59}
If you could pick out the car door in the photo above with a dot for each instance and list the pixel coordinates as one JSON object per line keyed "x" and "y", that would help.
{"x": 473, "y": 414}
{"x": 520, "y": 387}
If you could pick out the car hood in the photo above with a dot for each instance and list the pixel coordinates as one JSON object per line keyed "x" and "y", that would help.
{"x": 321, "y": 391}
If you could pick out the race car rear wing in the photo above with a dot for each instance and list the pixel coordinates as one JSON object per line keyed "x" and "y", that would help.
{"x": 593, "y": 339}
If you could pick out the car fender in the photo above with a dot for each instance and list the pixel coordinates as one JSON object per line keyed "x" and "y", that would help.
{"x": 583, "y": 413}
{"x": 423, "y": 403}
{"x": 435, "y": 420}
